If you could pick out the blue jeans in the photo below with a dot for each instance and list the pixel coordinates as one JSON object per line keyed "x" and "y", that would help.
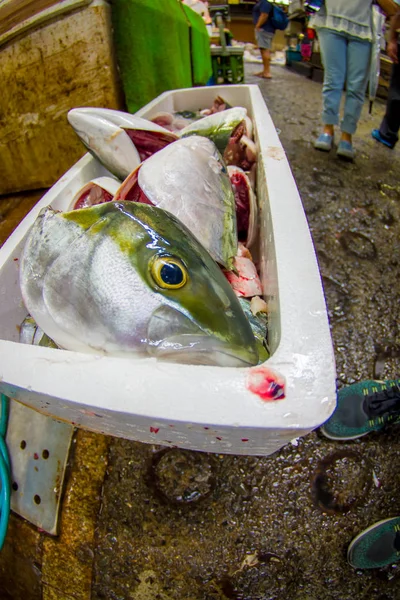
{"x": 346, "y": 60}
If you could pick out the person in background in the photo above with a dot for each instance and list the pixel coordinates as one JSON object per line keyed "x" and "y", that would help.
{"x": 345, "y": 36}
{"x": 264, "y": 33}
{"x": 361, "y": 408}
{"x": 201, "y": 8}
{"x": 387, "y": 133}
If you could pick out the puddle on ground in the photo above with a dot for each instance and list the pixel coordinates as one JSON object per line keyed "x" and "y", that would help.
{"x": 357, "y": 243}
{"x": 182, "y": 477}
{"x": 340, "y": 481}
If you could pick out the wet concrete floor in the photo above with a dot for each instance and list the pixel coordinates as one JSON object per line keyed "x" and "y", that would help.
{"x": 142, "y": 523}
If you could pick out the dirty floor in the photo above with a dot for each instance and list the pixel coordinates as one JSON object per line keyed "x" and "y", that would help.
{"x": 143, "y": 523}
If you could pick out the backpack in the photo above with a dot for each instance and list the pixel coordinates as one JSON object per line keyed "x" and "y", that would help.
{"x": 279, "y": 19}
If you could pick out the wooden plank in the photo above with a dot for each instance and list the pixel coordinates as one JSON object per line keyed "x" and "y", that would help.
{"x": 18, "y": 16}
{"x": 67, "y": 564}
{"x": 14, "y": 12}
{"x": 66, "y": 63}
{"x": 13, "y": 209}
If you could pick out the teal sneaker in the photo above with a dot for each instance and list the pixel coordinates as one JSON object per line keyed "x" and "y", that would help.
{"x": 324, "y": 142}
{"x": 377, "y": 546}
{"x": 345, "y": 150}
{"x": 364, "y": 407}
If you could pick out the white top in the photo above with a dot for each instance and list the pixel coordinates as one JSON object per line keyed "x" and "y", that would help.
{"x": 349, "y": 16}
{"x": 197, "y": 6}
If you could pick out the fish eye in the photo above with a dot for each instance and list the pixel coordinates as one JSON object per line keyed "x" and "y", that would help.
{"x": 169, "y": 273}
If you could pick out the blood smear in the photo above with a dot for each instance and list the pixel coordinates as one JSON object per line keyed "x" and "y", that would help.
{"x": 266, "y": 383}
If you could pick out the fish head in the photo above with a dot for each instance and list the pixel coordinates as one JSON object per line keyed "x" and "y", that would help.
{"x": 105, "y": 140}
{"x": 218, "y": 127}
{"x": 196, "y": 317}
{"x": 118, "y": 139}
{"x": 130, "y": 278}
{"x": 189, "y": 179}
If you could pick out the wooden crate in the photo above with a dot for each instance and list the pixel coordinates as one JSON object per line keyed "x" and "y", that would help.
{"x": 49, "y": 68}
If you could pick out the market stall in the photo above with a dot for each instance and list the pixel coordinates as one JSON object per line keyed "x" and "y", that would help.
{"x": 227, "y": 59}
{"x": 241, "y": 24}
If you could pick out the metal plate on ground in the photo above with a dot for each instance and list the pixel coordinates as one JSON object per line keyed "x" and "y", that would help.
{"x": 38, "y": 447}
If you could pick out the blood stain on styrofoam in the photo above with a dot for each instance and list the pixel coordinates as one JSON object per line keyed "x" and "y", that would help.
{"x": 266, "y": 383}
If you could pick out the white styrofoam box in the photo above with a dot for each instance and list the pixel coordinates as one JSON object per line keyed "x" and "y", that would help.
{"x": 197, "y": 407}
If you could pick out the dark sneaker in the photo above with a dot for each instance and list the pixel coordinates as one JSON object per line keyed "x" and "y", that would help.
{"x": 363, "y": 407}
{"x": 377, "y": 546}
{"x": 376, "y": 134}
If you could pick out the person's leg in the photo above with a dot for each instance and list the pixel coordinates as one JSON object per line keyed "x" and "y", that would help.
{"x": 390, "y": 125}
{"x": 333, "y": 53}
{"x": 358, "y": 60}
{"x": 266, "y": 58}
{"x": 264, "y": 41}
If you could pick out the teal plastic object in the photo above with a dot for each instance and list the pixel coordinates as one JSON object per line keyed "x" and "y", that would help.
{"x": 151, "y": 41}
{"x": 4, "y": 473}
{"x": 292, "y": 56}
{"x": 200, "y": 52}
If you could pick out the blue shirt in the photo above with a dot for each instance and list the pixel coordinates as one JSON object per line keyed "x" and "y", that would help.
{"x": 263, "y": 6}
